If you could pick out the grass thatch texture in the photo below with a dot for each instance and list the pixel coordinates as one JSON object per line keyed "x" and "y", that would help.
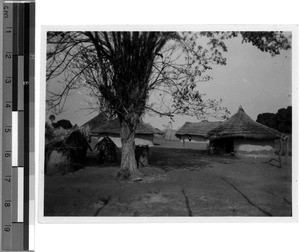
{"x": 196, "y": 129}
{"x": 114, "y": 127}
{"x": 241, "y": 125}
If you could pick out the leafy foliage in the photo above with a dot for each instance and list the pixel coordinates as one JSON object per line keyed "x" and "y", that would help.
{"x": 271, "y": 42}
{"x": 284, "y": 119}
{"x": 281, "y": 121}
{"x": 268, "y": 119}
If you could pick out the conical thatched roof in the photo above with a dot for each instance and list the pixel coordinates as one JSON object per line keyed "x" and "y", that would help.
{"x": 241, "y": 125}
{"x": 196, "y": 129}
{"x": 95, "y": 122}
{"x": 114, "y": 127}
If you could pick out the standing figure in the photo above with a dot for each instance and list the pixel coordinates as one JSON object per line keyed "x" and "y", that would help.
{"x": 283, "y": 148}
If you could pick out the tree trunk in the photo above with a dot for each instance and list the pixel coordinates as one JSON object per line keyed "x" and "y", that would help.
{"x": 128, "y": 168}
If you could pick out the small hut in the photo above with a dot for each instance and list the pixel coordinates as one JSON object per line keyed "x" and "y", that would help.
{"x": 112, "y": 128}
{"x": 66, "y": 150}
{"x": 100, "y": 126}
{"x": 107, "y": 151}
{"x": 242, "y": 135}
{"x": 196, "y": 131}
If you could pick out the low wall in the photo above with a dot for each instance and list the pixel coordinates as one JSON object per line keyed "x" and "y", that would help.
{"x": 252, "y": 147}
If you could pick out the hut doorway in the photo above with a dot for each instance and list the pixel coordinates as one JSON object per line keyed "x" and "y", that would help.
{"x": 228, "y": 145}
{"x": 224, "y": 145}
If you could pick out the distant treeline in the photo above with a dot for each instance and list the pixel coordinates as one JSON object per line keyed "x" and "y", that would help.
{"x": 281, "y": 121}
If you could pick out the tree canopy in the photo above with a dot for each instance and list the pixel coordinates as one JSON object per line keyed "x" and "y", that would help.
{"x": 281, "y": 121}
{"x": 170, "y": 63}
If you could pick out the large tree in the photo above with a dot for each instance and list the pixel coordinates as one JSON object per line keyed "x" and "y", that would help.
{"x": 122, "y": 70}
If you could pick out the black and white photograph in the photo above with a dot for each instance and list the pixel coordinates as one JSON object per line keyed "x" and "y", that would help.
{"x": 170, "y": 123}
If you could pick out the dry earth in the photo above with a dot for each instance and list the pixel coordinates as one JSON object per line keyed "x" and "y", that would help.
{"x": 179, "y": 182}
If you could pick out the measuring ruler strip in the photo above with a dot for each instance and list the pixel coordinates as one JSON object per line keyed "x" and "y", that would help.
{"x": 7, "y": 127}
{"x": 18, "y": 128}
{"x": 18, "y": 122}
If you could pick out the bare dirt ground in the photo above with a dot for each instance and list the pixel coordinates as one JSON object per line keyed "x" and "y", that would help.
{"x": 179, "y": 182}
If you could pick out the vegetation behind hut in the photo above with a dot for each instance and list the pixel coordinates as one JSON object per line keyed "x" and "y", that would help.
{"x": 281, "y": 121}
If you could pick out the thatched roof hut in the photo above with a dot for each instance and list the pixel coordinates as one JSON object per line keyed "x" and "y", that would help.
{"x": 66, "y": 150}
{"x": 241, "y": 125}
{"x": 107, "y": 150}
{"x": 240, "y": 134}
{"x": 196, "y": 130}
{"x": 113, "y": 127}
{"x": 96, "y": 122}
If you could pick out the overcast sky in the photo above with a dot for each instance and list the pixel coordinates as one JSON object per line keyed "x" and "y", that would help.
{"x": 253, "y": 79}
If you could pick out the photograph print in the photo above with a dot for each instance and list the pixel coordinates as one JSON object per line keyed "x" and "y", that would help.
{"x": 158, "y": 124}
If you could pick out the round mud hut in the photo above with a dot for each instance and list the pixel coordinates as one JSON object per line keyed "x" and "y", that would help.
{"x": 196, "y": 131}
{"x": 112, "y": 129}
{"x": 243, "y": 136}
